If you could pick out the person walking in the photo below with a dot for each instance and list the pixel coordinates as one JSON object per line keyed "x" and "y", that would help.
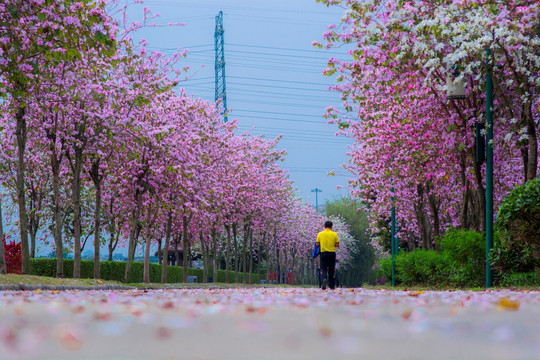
{"x": 328, "y": 242}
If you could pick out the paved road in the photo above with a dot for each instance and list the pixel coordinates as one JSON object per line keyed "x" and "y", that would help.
{"x": 269, "y": 323}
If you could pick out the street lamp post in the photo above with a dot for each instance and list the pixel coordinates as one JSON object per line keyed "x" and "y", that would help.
{"x": 456, "y": 90}
{"x": 394, "y": 242}
{"x": 489, "y": 167}
{"x": 316, "y": 191}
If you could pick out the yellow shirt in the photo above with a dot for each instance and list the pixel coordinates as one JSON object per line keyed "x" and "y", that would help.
{"x": 328, "y": 240}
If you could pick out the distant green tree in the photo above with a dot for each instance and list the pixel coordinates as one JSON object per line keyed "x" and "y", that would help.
{"x": 359, "y": 269}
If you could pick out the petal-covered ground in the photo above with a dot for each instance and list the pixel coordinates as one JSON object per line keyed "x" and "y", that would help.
{"x": 269, "y": 323}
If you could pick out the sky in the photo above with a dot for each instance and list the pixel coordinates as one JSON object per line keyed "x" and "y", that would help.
{"x": 274, "y": 76}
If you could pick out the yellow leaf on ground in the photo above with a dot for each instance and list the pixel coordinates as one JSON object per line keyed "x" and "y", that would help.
{"x": 507, "y": 304}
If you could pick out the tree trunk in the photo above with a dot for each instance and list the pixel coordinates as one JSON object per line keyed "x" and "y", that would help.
{"x": 33, "y": 232}
{"x": 434, "y": 206}
{"x": 481, "y": 195}
{"x": 236, "y": 257}
{"x": 278, "y": 267}
{"x": 421, "y": 218}
{"x": 525, "y": 158}
{"x": 76, "y": 198}
{"x": 2, "y": 249}
{"x": 113, "y": 242}
{"x": 112, "y": 230}
{"x": 532, "y": 140}
{"x": 204, "y": 249}
{"x": 85, "y": 240}
{"x": 96, "y": 178}
{"x": 259, "y": 259}
{"x": 185, "y": 247}
{"x": 165, "y": 261}
{"x": 189, "y": 251}
{"x": 250, "y": 257}
{"x": 228, "y": 253}
{"x": 147, "y": 243}
{"x": 214, "y": 255}
{"x": 132, "y": 236}
{"x": 23, "y": 217}
{"x": 244, "y": 253}
{"x": 285, "y": 268}
{"x": 176, "y": 252}
{"x": 293, "y": 265}
{"x": 55, "y": 165}
{"x": 33, "y": 219}
{"x": 465, "y": 187}
{"x": 159, "y": 251}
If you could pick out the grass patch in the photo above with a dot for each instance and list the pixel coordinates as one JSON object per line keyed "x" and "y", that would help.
{"x": 13, "y": 279}
{"x": 446, "y": 288}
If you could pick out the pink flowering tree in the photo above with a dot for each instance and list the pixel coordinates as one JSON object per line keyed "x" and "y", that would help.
{"x": 34, "y": 35}
{"x": 411, "y": 142}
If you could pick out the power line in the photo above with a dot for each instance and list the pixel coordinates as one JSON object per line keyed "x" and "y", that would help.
{"x": 270, "y": 80}
{"x": 304, "y": 135}
{"x": 273, "y": 54}
{"x": 279, "y": 87}
{"x": 250, "y": 9}
{"x": 182, "y": 48}
{"x": 302, "y": 61}
{"x": 278, "y": 80}
{"x": 286, "y": 95}
{"x": 299, "y": 69}
{"x": 241, "y": 59}
{"x": 302, "y": 131}
{"x": 276, "y": 113}
{"x": 280, "y": 48}
{"x": 308, "y": 140}
{"x": 276, "y": 118}
{"x": 297, "y": 135}
{"x": 296, "y": 104}
{"x": 324, "y": 56}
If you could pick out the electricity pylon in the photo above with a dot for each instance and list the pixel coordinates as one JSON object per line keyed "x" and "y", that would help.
{"x": 220, "y": 88}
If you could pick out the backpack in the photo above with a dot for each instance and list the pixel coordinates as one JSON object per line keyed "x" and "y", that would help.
{"x": 316, "y": 251}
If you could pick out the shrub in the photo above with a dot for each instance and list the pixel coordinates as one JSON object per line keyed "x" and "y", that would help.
{"x": 465, "y": 252}
{"x": 518, "y": 228}
{"x": 464, "y": 246}
{"x": 13, "y": 257}
{"x": 419, "y": 267}
{"x": 516, "y": 259}
{"x": 44, "y": 266}
{"x": 423, "y": 267}
{"x": 520, "y": 279}
{"x": 115, "y": 270}
{"x": 384, "y": 269}
{"x": 460, "y": 263}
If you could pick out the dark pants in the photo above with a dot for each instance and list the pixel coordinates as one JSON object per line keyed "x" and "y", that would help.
{"x": 328, "y": 266}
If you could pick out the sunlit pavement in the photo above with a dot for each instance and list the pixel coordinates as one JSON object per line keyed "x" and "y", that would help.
{"x": 269, "y": 323}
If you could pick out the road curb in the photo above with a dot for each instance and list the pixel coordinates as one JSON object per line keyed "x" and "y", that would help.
{"x": 24, "y": 287}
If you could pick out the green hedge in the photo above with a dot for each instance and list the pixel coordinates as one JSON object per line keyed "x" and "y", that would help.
{"x": 520, "y": 279}
{"x": 418, "y": 267}
{"x": 465, "y": 252}
{"x": 115, "y": 270}
{"x": 461, "y": 263}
